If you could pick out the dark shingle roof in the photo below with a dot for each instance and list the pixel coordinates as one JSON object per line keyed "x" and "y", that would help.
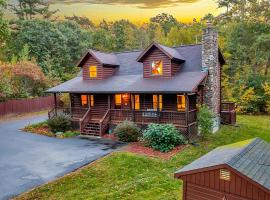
{"x": 182, "y": 82}
{"x": 129, "y": 75}
{"x": 103, "y": 58}
{"x": 172, "y": 53}
{"x": 251, "y": 158}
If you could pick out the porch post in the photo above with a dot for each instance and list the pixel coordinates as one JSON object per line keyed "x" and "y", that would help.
{"x": 132, "y": 106}
{"x": 187, "y": 116}
{"x": 70, "y": 104}
{"x": 109, "y": 101}
{"x": 158, "y": 109}
{"x": 55, "y": 103}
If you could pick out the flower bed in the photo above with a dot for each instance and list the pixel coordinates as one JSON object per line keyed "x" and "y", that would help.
{"x": 139, "y": 148}
{"x": 43, "y": 129}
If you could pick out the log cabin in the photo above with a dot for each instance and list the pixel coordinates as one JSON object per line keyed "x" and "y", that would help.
{"x": 159, "y": 84}
{"x": 239, "y": 171}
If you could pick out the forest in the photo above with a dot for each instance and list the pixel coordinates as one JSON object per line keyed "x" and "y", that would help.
{"x": 39, "y": 50}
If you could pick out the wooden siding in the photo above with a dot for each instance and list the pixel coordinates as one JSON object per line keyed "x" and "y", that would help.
{"x": 75, "y": 100}
{"x": 102, "y": 71}
{"x": 156, "y": 55}
{"x": 208, "y": 185}
{"x": 175, "y": 67}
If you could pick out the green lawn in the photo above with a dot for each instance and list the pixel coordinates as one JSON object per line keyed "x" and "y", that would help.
{"x": 128, "y": 176}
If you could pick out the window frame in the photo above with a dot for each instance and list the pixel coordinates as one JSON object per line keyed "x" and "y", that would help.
{"x": 91, "y": 71}
{"x": 157, "y": 101}
{"x": 84, "y": 100}
{"x": 182, "y": 106}
{"x": 137, "y": 103}
{"x": 118, "y": 104}
{"x": 161, "y": 63}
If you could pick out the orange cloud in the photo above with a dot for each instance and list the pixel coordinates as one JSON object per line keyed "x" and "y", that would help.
{"x": 146, "y": 4}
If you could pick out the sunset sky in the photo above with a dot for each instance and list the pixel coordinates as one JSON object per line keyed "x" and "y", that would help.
{"x": 135, "y": 10}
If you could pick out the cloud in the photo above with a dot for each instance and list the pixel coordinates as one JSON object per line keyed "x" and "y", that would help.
{"x": 145, "y": 4}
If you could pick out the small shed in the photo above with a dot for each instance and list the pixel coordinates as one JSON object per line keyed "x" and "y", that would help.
{"x": 239, "y": 171}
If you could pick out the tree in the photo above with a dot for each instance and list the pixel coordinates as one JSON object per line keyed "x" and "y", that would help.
{"x": 84, "y": 22}
{"x": 166, "y": 22}
{"x": 4, "y": 30}
{"x": 55, "y": 46}
{"x": 29, "y": 9}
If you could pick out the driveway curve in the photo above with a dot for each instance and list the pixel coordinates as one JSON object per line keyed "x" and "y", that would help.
{"x": 28, "y": 160}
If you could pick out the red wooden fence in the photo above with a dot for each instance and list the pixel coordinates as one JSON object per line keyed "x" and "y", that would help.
{"x": 26, "y": 105}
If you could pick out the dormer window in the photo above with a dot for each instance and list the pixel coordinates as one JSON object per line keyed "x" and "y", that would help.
{"x": 93, "y": 71}
{"x": 157, "y": 67}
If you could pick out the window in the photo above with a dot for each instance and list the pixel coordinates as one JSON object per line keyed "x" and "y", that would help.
{"x": 157, "y": 102}
{"x": 181, "y": 102}
{"x": 93, "y": 71}
{"x": 137, "y": 102}
{"x": 92, "y": 101}
{"x": 160, "y": 102}
{"x": 156, "y": 67}
{"x": 118, "y": 100}
{"x": 84, "y": 100}
{"x": 225, "y": 175}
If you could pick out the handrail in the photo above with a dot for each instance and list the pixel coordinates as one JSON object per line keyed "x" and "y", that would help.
{"x": 83, "y": 120}
{"x": 104, "y": 122}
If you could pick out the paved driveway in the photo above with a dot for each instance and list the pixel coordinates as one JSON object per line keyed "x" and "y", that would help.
{"x": 28, "y": 160}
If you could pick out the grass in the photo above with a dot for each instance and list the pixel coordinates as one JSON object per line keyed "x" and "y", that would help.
{"x": 128, "y": 176}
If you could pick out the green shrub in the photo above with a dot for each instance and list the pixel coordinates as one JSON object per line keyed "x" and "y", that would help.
{"x": 60, "y": 123}
{"x": 162, "y": 137}
{"x": 127, "y": 131}
{"x": 205, "y": 121}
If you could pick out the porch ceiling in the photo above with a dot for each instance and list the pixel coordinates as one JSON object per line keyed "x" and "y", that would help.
{"x": 182, "y": 82}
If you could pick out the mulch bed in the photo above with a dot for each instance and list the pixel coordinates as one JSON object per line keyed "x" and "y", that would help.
{"x": 138, "y": 148}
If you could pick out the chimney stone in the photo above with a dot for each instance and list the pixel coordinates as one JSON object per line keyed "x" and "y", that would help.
{"x": 210, "y": 64}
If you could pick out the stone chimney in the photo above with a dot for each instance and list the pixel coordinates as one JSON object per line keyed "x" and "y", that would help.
{"x": 210, "y": 64}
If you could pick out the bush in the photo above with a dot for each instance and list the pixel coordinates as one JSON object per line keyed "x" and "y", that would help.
{"x": 127, "y": 131}
{"x": 205, "y": 121}
{"x": 162, "y": 137}
{"x": 60, "y": 123}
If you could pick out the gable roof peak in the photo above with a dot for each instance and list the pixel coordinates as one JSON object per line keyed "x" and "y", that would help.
{"x": 172, "y": 53}
{"x": 101, "y": 57}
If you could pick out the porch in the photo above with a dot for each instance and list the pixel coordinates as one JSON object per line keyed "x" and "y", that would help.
{"x": 95, "y": 114}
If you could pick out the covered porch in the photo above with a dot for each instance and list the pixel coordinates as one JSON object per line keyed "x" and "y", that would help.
{"x": 96, "y": 113}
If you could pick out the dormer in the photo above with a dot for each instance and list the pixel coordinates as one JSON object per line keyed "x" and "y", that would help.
{"x": 160, "y": 61}
{"x": 98, "y": 65}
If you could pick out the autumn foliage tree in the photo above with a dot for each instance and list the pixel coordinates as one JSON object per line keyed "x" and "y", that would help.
{"x": 22, "y": 80}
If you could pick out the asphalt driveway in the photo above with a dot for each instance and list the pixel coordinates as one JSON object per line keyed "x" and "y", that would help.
{"x": 28, "y": 160}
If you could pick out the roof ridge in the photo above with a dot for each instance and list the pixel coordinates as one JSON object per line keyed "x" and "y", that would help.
{"x": 173, "y": 47}
{"x": 244, "y": 151}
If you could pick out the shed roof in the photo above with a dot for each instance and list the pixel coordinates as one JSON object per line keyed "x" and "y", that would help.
{"x": 250, "y": 158}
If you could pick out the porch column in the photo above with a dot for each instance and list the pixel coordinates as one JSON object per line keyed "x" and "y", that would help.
{"x": 187, "y": 116}
{"x": 55, "y": 103}
{"x": 158, "y": 109}
{"x": 132, "y": 106}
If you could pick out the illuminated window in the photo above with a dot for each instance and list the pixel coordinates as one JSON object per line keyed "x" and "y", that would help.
{"x": 92, "y": 101}
{"x": 137, "y": 102}
{"x": 157, "y": 102}
{"x": 156, "y": 67}
{"x": 118, "y": 99}
{"x": 93, "y": 71}
{"x": 160, "y": 102}
{"x": 181, "y": 102}
{"x": 84, "y": 100}
{"x": 225, "y": 175}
